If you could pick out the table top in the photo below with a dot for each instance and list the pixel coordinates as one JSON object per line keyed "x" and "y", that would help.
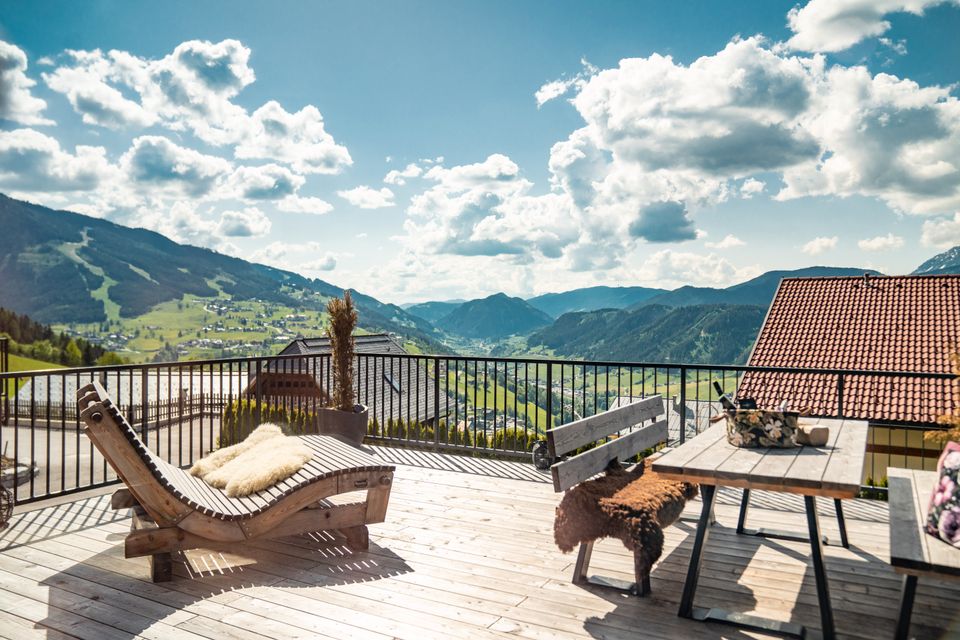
{"x": 834, "y": 470}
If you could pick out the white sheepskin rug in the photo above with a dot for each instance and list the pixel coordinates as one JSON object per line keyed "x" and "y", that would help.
{"x": 263, "y": 459}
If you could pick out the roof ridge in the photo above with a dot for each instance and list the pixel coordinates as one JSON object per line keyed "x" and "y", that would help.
{"x": 872, "y": 276}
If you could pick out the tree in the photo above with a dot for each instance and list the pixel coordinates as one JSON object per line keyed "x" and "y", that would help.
{"x": 72, "y": 355}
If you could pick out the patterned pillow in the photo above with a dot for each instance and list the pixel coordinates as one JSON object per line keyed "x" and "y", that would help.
{"x": 943, "y": 516}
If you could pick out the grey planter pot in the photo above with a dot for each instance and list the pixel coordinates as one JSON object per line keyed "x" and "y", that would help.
{"x": 346, "y": 425}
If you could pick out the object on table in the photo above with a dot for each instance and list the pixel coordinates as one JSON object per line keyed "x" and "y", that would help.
{"x": 813, "y": 435}
{"x": 943, "y": 514}
{"x": 762, "y": 428}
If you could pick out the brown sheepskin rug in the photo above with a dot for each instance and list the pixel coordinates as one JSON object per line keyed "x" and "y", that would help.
{"x": 630, "y": 505}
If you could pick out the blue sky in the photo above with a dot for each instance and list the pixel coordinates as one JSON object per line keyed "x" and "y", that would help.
{"x": 535, "y": 146}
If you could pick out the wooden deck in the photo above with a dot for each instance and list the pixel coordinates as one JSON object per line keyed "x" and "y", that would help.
{"x": 467, "y": 552}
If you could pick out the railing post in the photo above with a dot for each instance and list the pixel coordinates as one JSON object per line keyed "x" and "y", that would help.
{"x": 258, "y": 390}
{"x": 144, "y": 399}
{"x": 683, "y": 405}
{"x": 840, "y": 395}
{"x": 436, "y": 400}
{"x": 549, "y": 424}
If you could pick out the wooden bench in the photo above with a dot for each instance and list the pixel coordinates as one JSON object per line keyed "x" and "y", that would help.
{"x": 913, "y": 552}
{"x": 632, "y": 505}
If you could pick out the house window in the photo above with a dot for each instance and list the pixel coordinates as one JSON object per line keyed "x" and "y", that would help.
{"x": 393, "y": 383}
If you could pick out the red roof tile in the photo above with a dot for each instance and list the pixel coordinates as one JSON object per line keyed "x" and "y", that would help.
{"x": 875, "y": 323}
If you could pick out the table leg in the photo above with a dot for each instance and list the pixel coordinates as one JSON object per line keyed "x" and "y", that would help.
{"x": 707, "y": 494}
{"x": 816, "y": 548}
{"x": 777, "y": 534}
{"x": 906, "y": 607}
{"x": 744, "y": 506}
{"x": 687, "y": 610}
{"x": 838, "y": 505}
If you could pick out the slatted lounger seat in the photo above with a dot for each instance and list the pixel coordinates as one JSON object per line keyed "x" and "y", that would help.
{"x": 174, "y": 511}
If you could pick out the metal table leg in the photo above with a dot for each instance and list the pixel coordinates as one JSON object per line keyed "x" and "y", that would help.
{"x": 707, "y": 493}
{"x": 816, "y": 549}
{"x": 906, "y": 607}
{"x": 787, "y": 535}
{"x": 838, "y": 505}
{"x": 687, "y": 610}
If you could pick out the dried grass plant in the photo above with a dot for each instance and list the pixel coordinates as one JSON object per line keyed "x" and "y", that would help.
{"x": 343, "y": 320}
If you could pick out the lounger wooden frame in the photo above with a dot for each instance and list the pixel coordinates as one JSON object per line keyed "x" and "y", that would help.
{"x": 174, "y": 511}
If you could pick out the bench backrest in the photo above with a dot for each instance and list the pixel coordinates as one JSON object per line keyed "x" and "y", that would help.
{"x": 579, "y": 433}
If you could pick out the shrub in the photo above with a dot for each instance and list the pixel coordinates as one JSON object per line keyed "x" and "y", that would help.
{"x": 239, "y": 418}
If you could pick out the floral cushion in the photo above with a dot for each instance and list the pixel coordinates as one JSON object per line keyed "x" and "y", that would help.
{"x": 943, "y": 516}
{"x": 760, "y": 428}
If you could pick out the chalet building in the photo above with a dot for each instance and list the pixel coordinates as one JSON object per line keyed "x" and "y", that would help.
{"x": 386, "y": 379}
{"x": 868, "y": 323}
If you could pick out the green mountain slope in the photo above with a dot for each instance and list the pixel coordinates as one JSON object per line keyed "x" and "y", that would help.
{"x": 63, "y": 267}
{"x": 432, "y": 312}
{"x": 715, "y": 334}
{"x": 591, "y": 299}
{"x": 758, "y": 291}
{"x": 946, "y": 262}
{"x": 494, "y": 317}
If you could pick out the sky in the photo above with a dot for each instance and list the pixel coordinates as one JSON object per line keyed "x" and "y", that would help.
{"x": 433, "y": 150}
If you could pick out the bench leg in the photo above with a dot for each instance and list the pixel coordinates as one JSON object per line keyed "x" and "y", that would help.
{"x": 161, "y": 567}
{"x": 641, "y": 574}
{"x": 583, "y": 563}
{"x": 906, "y": 607}
{"x": 358, "y": 538}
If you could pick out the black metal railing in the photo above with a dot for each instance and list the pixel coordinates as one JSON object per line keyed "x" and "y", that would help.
{"x": 478, "y": 405}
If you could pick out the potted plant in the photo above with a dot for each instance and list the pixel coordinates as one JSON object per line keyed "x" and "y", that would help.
{"x": 345, "y": 418}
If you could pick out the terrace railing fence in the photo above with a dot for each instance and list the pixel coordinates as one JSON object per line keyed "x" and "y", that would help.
{"x": 477, "y": 405}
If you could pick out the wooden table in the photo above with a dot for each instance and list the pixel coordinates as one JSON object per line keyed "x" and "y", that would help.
{"x": 832, "y": 471}
{"x": 913, "y": 552}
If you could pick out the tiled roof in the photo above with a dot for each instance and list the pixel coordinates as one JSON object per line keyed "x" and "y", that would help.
{"x": 876, "y": 323}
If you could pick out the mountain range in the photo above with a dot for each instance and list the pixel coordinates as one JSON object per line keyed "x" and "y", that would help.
{"x": 67, "y": 268}
{"x": 493, "y": 317}
{"x": 64, "y": 267}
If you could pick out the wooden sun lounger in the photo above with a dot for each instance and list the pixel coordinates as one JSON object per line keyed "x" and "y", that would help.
{"x": 174, "y": 511}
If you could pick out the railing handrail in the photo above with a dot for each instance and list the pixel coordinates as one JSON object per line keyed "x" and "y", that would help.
{"x": 690, "y": 366}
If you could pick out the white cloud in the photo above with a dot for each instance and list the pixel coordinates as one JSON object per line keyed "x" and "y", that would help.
{"x": 327, "y": 262}
{"x": 835, "y": 25}
{"x": 881, "y": 243}
{"x": 728, "y": 242}
{"x": 85, "y": 86}
{"x": 366, "y": 197}
{"x": 676, "y": 268}
{"x": 306, "y": 258}
{"x": 298, "y": 204}
{"x": 400, "y": 177}
{"x": 250, "y": 222}
{"x": 156, "y": 161}
{"x": 34, "y": 162}
{"x": 820, "y": 245}
{"x": 299, "y": 139}
{"x": 192, "y": 89}
{"x": 751, "y": 187}
{"x": 556, "y": 88}
{"x": 17, "y": 103}
{"x": 942, "y": 233}
{"x": 265, "y": 182}
{"x": 882, "y": 137}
